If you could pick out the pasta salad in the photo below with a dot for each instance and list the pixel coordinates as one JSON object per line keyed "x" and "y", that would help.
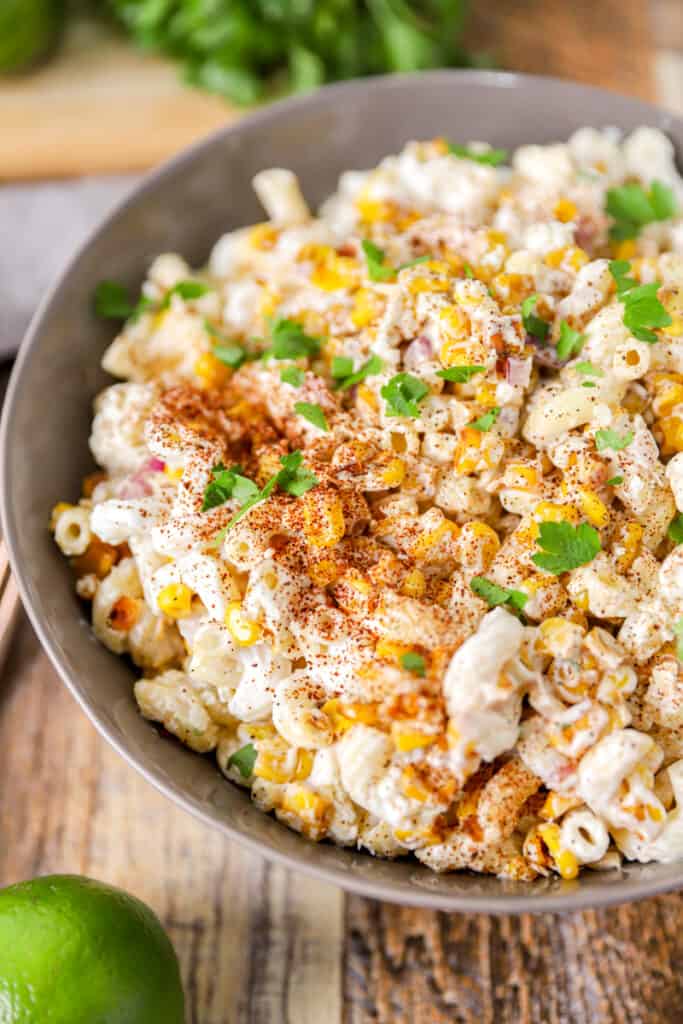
{"x": 390, "y": 508}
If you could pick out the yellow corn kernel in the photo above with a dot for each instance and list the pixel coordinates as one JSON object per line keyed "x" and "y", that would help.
{"x": 428, "y": 284}
{"x": 323, "y": 572}
{"x": 354, "y": 579}
{"x": 263, "y": 236}
{"x": 61, "y": 506}
{"x": 565, "y": 861}
{"x": 210, "y": 371}
{"x": 365, "y": 308}
{"x": 406, "y": 740}
{"x": 393, "y": 473}
{"x": 486, "y": 395}
{"x": 415, "y": 584}
{"x": 344, "y": 716}
{"x": 675, "y": 328}
{"x": 390, "y": 650}
{"x": 625, "y": 250}
{"x": 512, "y": 287}
{"x": 275, "y": 764}
{"x": 175, "y": 600}
{"x": 549, "y": 512}
{"x": 304, "y": 765}
{"x": 431, "y": 538}
{"x": 371, "y": 210}
{"x": 270, "y": 300}
{"x": 628, "y": 544}
{"x": 581, "y": 600}
{"x": 412, "y": 785}
{"x": 556, "y": 635}
{"x": 570, "y": 254}
{"x": 305, "y": 803}
{"x": 158, "y": 319}
{"x": 565, "y": 210}
{"x": 174, "y": 474}
{"x": 595, "y": 511}
{"x": 669, "y": 394}
{"x": 99, "y": 558}
{"x": 335, "y": 272}
{"x": 244, "y": 631}
{"x": 672, "y": 433}
{"x": 368, "y": 396}
{"x": 520, "y": 476}
{"x": 455, "y": 321}
{"x": 557, "y": 804}
{"x": 324, "y": 524}
{"x": 480, "y": 539}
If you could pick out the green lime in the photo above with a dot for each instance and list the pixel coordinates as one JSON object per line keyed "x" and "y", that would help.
{"x": 76, "y": 951}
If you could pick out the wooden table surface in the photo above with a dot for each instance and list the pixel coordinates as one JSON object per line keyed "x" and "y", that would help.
{"x": 258, "y": 944}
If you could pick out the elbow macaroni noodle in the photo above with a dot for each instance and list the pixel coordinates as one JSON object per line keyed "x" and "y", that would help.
{"x": 367, "y": 638}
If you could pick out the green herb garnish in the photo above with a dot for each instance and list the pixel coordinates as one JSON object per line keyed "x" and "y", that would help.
{"x": 460, "y": 374}
{"x": 112, "y": 302}
{"x": 565, "y": 547}
{"x": 589, "y": 369}
{"x": 402, "y": 395}
{"x": 229, "y": 352}
{"x": 642, "y": 309}
{"x": 344, "y": 375}
{"x": 570, "y": 342}
{"x": 495, "y": 595}
{"x": 292, "y": 375}
{"x": 378, "y": 269}
{"x": 492, "y": 157}
{"x": 414, "y": 663}
{"x": 533, "y": 324}
{"x": 244, "y": 760}
{"x": 610, "y": 439}
{"x": 226, "y": 484}
{"x": 678, "y": 633}
{"x": 290, "y": 341}
{"x": 186, "y": 290}
{"x": 675, "y": 529}
{"x": 486, "y": 421}
{"x": 313, "y": 413}
{"x": 294, "y": 478}
{"x": 615, "y": 481}
{"x": 631, "y": 208}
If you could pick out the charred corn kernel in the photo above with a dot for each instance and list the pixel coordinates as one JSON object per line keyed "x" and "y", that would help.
{"x": 324, "y": 524}
{"x": 393, "y": 473}
{"x": 323, "y": 572}
{"x": 668, "y": 394}
{"x": 61, "y": 506}
{"x": 368, "y": 396}
{"x": 263, "y": 236}
{"x": 210, "y": 371}
{"x": 625, "y": 250}
{"x": 305, "y": 803}
{"x": 413, "y": 787}
{"x": 557, "y": 804}
{"x": 595, "y": 511}
{"x": 91, "y": 481}
{"x": 431, "y": 538}
{"x": 173, "y": 474}
{"x": 549, "y": 512}
{"x": 175, "y": 600}
{"x": 124, "y": 614}
{"x": 627, "y": 544}
{"x": 406, "y": 740}
{"x": 390, "y": 650}
{"x": 365, "y": 308}
{"x": 671, "y": 428}
{"x": 244, "y": 631}
{"x": 565, "y": 861}
{"x": 415, "y": 584}
{"x": 565, "y": 210}
{"x": 99, "y": 558}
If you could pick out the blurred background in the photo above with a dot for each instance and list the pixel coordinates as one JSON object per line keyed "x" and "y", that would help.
{"x": 94, "y": 92}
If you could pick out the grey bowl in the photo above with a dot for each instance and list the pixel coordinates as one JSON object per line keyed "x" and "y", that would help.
{"x": 184, "y": 207}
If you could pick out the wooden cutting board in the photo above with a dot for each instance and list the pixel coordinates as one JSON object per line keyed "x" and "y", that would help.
{"x": 101, "y": 106}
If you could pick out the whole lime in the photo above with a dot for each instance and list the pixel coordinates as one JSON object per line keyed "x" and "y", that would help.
{"x": 76, "y": 951}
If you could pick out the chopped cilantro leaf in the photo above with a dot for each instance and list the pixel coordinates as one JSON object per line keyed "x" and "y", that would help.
{"x": 313, "y": 413}
{"x": 294, "y": 478}
{"x": 610, "y": 439}
{"x": 402, "y": 395}
{"x": 346, "y": 380}
{"x": 642, "y": 309}
{"x": 631, "y": 208}
{"x": 186, "y": 290}
{"x": 292, "y": 375}
{"x": 229, "y": 352}
{"x": 565, "y": 547}
{"x": 495, "y": 595}
{"x": 570, "y": 342}
{"x": 492, "y": 157}
{"x": 290, "y": 341}
{"x": 414, "y": 663}
{"x": 620, "y": 269}
{"x": 378, "y": 270}
{"x": 533, "y": 324}
{"x": 675, "y": 530}
{"x": 678, "y": 633}
{"x": 615, "y": 481}
{"x": 111, "y": 301}
{"x": 226, "y": 484}
{"x": 244, "y": 760}
{"x": 486, "y": 421}
{"x": 589, "y": 369}
{"x": 460, "y": 374}
{"x": 467, "y": 269}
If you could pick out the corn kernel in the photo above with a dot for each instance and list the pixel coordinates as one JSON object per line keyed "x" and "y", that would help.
{"x": 414, "y": 585}
{"x": 548, "y": 512}
{"x": 595, "y": 511}
{"x": 323, "y": 572}
{"x": 627, "y": 544}
{"x": 672, "y": 433}
{"x": 557, "y": 804}
{"x": 263, "y": 236}
{"x": 124, "y": 614}
{"x": 173, "y": 474}
{"x": 625, "y": 250}
{"x": 210, "y": 371}
{"x": 365, "y": 394}
{"x": 61, "y": 506}
{"x": 412, "y": 785}
{"x": 565, "y": 861}
{"x": 244, "y": 631}
{"x": 175, "y": 600}
{"x": 391, "y": 650}
{"x": 668, "y": 394}
{"x": 305, "y": 803}
{"x": 324, "y": 524}
{"x": 365, "y": 308}
{"x": 394, "y": 473}
{"x": 431, "y": 538}
{"x": 406, "y": 740}
{"x": 556, "y": 635}
{"x": 99, "y": 558}
{"x": 565, "y": 210}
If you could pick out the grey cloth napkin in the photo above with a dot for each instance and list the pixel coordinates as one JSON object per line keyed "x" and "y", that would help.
{"x": 41, "y": 226}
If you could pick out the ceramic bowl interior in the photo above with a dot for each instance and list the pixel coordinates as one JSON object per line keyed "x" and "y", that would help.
{"x": 184, "y": 207}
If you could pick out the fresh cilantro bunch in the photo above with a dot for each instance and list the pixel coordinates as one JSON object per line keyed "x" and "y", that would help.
{"x": 246, "y": 49}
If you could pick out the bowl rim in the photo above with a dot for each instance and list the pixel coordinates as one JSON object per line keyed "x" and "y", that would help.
{"x": 573, "y": 899}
